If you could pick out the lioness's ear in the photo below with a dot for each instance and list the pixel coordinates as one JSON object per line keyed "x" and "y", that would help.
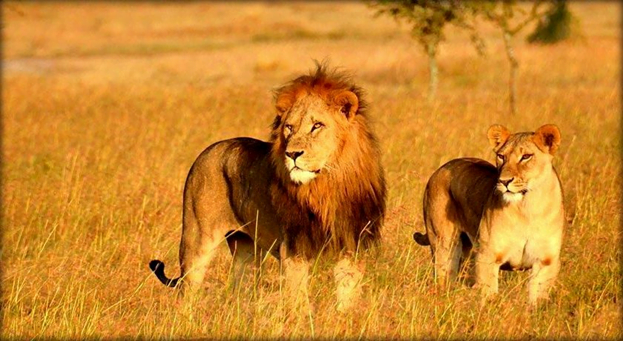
{"x": 547, "y": 138}
{"x": 497, "y": 134}
{"x": 284, "y": 102}
{"x": 348, "y": 103}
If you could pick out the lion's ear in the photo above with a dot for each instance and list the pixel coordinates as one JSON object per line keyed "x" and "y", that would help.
{"x": 348, "y": 103}
{"x": 547, "y": 138}
{"x": 284, "y": 102}
{"x": 497, "y": 134}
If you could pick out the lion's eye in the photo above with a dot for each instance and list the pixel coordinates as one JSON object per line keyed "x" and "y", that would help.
{"x": 526, "y": 157}
{"x": 317, "y": 125}
{"x": 501, "y": 157}
{"x": 288, "y": 128}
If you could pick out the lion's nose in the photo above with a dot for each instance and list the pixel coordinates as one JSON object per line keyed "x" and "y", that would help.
{"x": 506, "y": 181}
{"x": 294, "y": 155}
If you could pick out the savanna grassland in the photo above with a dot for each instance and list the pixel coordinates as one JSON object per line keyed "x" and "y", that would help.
{"x": 106, "y": 105}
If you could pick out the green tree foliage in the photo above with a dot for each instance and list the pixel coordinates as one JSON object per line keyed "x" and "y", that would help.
{"x": 427, "y": 19}
{"x": 558, "y": 24}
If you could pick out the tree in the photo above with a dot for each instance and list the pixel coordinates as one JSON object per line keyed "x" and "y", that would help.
{"x": 558, "y": 24}
{"x": 428, "y": 18}
{"x": 511, "y": 19}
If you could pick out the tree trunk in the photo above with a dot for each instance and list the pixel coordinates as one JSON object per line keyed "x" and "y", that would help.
{"x": 512, "y": 84}
{"x": 431, "y": 49}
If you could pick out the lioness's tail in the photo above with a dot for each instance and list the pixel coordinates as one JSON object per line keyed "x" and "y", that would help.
{"x": 421, "y": 239}
{"x": 158, "y": 268}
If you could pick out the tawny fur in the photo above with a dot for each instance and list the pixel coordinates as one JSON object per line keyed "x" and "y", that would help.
{"x": 513, "y": 213}
{"x": 316, "y": 188}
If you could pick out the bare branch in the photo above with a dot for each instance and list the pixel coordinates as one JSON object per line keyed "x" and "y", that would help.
{"x": 533, "y": 15}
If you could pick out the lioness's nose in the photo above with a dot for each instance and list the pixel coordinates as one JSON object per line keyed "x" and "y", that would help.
{"x": 506, "y": 181}
{"x": 294, "y": 155}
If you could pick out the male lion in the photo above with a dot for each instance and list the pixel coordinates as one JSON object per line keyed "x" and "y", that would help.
{"x": 316, "y": 188}
{"x": 513, "y": 213}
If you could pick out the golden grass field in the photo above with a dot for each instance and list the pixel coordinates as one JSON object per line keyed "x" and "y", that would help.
{"x": 106, "y": 105}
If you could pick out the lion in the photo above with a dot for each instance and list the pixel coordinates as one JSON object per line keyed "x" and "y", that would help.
{"x": 317, "y": 188}
{"x": 513, "y": 212}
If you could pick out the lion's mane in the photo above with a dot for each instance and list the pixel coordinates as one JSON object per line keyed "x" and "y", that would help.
{"x": 343, "y": 209}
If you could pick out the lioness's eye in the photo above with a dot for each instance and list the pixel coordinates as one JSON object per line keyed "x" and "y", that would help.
{"x": 501, "y": 157}
{"x": 526, "y": 157}
{"x": 317, "y": 125}
{"x": 288, "y": 128}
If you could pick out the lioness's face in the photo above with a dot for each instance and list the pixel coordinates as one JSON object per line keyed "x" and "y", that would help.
{"x": 312, "y": 132}
{"x": 522, "y": 158}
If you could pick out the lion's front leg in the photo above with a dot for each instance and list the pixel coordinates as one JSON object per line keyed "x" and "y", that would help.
{"x": 348, "y": 276}
{"x": 295, "y": 271}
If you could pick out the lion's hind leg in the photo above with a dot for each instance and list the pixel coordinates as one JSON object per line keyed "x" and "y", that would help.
{"x": 200, "y": 241}
{"x": 195, "y": 260}
{"x": 245, "y": 253}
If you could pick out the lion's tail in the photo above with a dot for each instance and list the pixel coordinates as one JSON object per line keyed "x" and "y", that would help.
{"x": 158, "y": 268}
{"x": 421, "y": 239}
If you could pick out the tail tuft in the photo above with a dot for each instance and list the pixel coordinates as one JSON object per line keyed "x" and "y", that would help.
{"x": 156, "y": 265}
{"x": 158, "y": 269}
{"x": 421, "y": 239}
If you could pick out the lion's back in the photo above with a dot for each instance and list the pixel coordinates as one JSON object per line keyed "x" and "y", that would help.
{"x": 234, "y": 177}
{"x": 232, "y": 157}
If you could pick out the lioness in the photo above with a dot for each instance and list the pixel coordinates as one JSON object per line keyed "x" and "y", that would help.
{"x": 316, "y": 188}
{"x": 513, "y": 213}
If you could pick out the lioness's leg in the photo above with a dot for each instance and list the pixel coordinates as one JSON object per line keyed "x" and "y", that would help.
{"x": 542, "y": 276}
{"x": 487, "y": 272}
{"x": 467, "y": 258}
{"x": 348, "y": 276}
{"x": 443, "y": 232}
{"x": 447, "y": 256}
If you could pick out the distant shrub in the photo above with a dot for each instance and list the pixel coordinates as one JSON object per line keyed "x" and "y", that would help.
{"x": 558, "y": 25}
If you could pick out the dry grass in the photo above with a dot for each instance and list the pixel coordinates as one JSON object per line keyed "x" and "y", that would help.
{"x": 106, "y": 105}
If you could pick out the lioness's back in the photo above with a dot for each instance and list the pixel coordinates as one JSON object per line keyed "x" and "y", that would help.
{"x": 459, "y": 190}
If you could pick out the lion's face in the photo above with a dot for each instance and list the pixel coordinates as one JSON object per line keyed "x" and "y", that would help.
{"x": 311, "y": 132}
{"x": 522, "y": 158}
